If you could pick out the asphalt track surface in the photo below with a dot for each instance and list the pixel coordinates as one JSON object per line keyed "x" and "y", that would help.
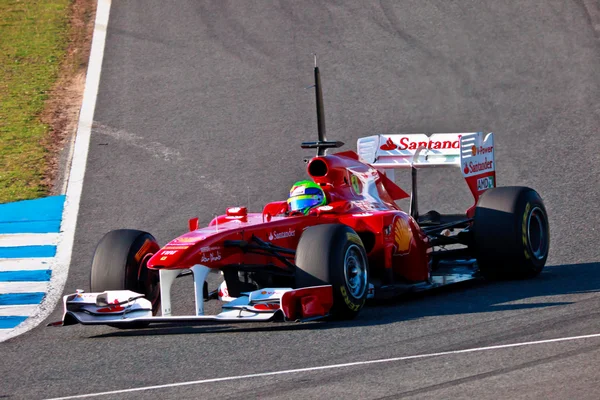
{"x": 203, "y": 105}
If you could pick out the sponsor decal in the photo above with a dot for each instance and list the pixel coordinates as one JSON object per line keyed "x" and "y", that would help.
{"x": 484, "y": 150}
{"x": 169, "y": 252}
{"x": 82, "y": 297}
{"x": 406, "y": 144}
{"x": 351, "y": 305}
{"x": 324, "y": 208}
{"x": 471, "y": 167}
{"x": 297, "y": 191}
{"x": 163, "y": 258}
{"x": 353, "y": 237}
{"x": 207, "y": 249}
{"x": 371, "y": 291}
{"x": 388, "y": 145}
{"x": 367, "y": 206}
{"x": 266, "y": 294}
{"x": 282, "y": 235}
{"x": 402, "y": 235}
{"x": 370, "y": 173}
{"x": 111, "y": 307}
{"x": 356, "y": 184}
{"x": 192, "y": 239}
{"x": 211, "y": 257}
{"x": 175, "y": 247}
{"x": 485, "y": 183}
{"x": 387, "y": 230}
{"x": 223, "y": 292}
{"x": 481, "y": 150}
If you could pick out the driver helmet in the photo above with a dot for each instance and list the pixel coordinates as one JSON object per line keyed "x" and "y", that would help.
{"x": 305, "y": 195}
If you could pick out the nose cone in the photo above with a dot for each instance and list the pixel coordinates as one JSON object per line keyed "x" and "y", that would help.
{"x": 177, "y": 250}
{"x": 168, "y": 257}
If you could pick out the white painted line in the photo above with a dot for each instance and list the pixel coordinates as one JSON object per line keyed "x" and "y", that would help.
{"x": 28, "y": 239}
{"x": 60, "y": 264}
{"x": 23, "y": 287}
{"x": 332, "y": 366}
{"x": 20, "y": 310}
{"x": 25, "y": 264}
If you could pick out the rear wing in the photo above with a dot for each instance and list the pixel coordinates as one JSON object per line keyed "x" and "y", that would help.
{"x": 473, "y": 153}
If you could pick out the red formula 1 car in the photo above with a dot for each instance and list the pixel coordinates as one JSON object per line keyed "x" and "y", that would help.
{"x": 280, "y": 265}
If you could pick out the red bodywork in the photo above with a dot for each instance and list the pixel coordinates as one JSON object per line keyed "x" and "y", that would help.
{"x": 358, "y": 196}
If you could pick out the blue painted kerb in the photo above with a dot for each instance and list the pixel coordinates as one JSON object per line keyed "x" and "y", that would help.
{"x": 27, "y": 251}
{"x": 11, "y": 321}
{"x": 13, "y": 299}
{"x": 36, "y": 275}
{"x": 32, "y": 216}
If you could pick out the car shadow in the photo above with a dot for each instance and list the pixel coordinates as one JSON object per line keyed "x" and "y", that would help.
{"x": 476, "y": 296}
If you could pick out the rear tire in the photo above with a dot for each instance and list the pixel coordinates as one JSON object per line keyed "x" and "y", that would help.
{"x": 511, "y": 233}
{"x": 119, "y": 263}
{"x": 334, "y": 254}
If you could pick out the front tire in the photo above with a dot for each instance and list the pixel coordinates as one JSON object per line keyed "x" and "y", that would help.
{"x": 334, "y": 254}
{"x": 119, "y": 263}
{"x": 511, "y": 233}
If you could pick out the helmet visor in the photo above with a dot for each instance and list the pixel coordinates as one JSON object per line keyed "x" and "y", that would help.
{"x": 304, "y": 202}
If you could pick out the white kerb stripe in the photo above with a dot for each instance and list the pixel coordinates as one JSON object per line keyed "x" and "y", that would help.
{"x": 333, "y": 366}
{"x": 28, "y": 239}
{"x": 22, "y": 287}
{"x": 20, "y": 310}
{"x": 25, "y": 264}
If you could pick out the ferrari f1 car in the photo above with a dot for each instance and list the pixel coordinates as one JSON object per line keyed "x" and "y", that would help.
{"x": 278, "y": 265}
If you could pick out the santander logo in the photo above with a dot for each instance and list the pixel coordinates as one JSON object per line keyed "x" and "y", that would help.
{"x": 282, "y": 235}
{"x": 388, "y": 145}
{"x": 474, "y": 167}
{"x": 406, "y": 144}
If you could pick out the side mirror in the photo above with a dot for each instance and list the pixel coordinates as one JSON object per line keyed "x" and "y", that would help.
{"x": 193, "y": 224}
{"x": 274, "y": 208}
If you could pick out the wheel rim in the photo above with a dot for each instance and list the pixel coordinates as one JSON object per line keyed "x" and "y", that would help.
{"x": 537, "y": 233}
{"x": 355, "y": 271}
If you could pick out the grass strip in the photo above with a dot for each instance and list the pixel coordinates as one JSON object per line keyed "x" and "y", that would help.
{"x": 34, "y": 36}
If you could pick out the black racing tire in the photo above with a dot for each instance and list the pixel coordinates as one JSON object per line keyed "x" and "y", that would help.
{"x": 333, "y": 254}
{"x": 119, "y": 263}
{"x": 511, "y": 233}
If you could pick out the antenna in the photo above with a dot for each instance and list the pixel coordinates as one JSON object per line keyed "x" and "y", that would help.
{"x": 322, "y": 144}
{"x": 320, "y": 109}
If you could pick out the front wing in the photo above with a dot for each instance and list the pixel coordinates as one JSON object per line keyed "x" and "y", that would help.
{"x": 130, "y": 309}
